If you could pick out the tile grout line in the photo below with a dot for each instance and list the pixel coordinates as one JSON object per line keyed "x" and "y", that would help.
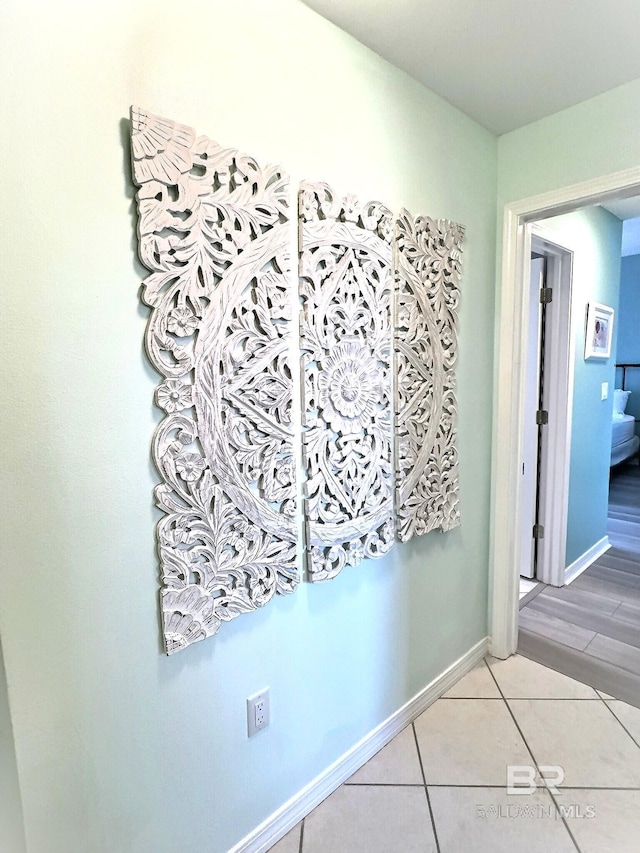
{"x": 531, "y": 698}
{"x": 426, "y": 790}
{"x": 385, "y": 784}
{"x": 524, "y": 740}
{"x": 502, "y": 787}
{"x": 615, "y": 716}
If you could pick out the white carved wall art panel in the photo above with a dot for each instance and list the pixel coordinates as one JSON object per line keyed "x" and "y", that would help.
{"x": 213, "y": 233}
{"x": 429, "y": 263}
{"x": 346, "y": 288}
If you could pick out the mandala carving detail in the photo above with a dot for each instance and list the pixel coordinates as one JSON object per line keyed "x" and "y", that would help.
{"x": 429, "y": 264}
{"x": 346, "y": 288}
{"x": 212, "y": 231}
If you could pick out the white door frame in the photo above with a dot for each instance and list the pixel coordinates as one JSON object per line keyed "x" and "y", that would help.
{"x": 558, "y": 394}
{"x": 509, "y": 398}
{"x": 531, "y": 445}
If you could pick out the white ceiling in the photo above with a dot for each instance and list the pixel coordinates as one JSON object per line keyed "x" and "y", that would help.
{"x": 505, "y": 63}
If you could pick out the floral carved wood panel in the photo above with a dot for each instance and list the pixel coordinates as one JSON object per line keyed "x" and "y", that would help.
{"x": 346, "y": 288}
{"x": 213, "y": 232}
{"x": 429, "y": 263}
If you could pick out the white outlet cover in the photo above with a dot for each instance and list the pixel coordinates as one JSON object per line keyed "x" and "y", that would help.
{"x": 253, "y": 703}
{"x": 605, "y": 391}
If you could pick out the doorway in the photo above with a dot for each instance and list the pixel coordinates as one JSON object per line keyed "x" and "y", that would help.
{"x": 510, "y": 407}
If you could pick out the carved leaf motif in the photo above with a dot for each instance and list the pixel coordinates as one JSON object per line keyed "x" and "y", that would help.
{"x": 345, "y": 283}
{"x": 429, "y": 265}
{"x": 213, "y": 233}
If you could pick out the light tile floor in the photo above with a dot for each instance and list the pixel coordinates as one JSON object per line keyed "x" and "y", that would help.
{"x": 440, "y": 785}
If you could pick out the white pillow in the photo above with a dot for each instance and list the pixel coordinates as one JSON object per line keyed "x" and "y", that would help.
{"x": 620, "y": 401}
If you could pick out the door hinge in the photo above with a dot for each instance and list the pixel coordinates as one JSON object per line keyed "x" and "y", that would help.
{"x": 546, "y": 295}
{"x": 538, "y": 531}
{"x": 542, "y": 417}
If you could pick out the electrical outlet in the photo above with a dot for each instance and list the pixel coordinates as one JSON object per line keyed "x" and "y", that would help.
{"x": 258, "y": 712}
{"x": 604, "y": 391}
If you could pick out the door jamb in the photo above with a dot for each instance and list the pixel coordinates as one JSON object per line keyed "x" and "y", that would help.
{"x": 554, "y": 481}
{"x": 509, "y": 402}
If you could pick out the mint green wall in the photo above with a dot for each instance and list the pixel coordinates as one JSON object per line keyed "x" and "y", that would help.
{"x": 594, "y": 138}
{"x": 11, "y": 828}
{"x": 595, "y": 236}
{"x": 118, "y": 747}
{"x": 628, "y": 331}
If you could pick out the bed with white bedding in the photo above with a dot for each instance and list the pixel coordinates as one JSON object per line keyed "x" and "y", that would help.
{"x": 624, "y": 441}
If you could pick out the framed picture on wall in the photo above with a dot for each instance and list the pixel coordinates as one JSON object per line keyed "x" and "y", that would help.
{"x": 597, "y": 342}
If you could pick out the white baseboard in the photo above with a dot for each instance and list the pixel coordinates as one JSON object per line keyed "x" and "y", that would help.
{"x": 582, "y": 563}
{"x": 287, "y": 816}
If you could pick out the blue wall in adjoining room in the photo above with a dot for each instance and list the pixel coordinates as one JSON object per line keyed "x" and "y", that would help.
{"x": 595, "y": 236}
{"x": 628, "y": 349}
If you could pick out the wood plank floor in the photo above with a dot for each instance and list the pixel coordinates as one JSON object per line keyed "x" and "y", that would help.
{"x": 590, "y": 630}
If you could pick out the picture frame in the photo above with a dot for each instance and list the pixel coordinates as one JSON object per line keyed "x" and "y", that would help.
{"x": 599, "y": 334}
